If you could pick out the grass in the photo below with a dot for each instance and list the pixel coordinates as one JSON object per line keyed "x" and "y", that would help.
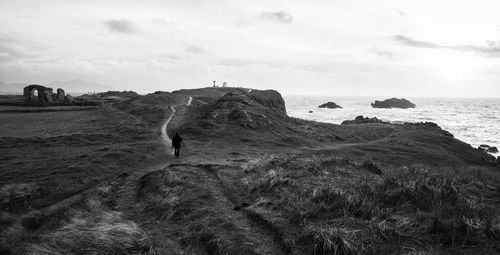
{"x": 361, "y": 201}
{"x": 159, "y": 192}
{"x": 53, "y": 123}
{"x": 87, "y": 226}
{"x": 328, "y": 240}
{"x": 74, "y": 151}
{"x": 97, "y": 232}
{"x": 94, "y": 229}
{"x": 194, "y": 216}
{"x": 342, "y": 206}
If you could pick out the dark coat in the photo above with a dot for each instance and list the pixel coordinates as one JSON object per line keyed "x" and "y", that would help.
{"x": 176, "y": 141}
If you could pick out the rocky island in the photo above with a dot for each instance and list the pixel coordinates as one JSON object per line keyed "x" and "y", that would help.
{"x": 393, "y": 103}
{"x": 250, "y": 180}
{"x": 330, "y": 105}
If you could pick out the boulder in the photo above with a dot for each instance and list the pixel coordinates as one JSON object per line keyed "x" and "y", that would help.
{"x": 330, "y": 105}
{"x": 363, "y": 120}
{"x": 393, "y": 103}
{"x": 487, "y": 148}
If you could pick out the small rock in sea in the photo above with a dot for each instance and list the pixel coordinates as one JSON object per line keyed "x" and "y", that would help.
{"x": 310, "y": 111}
{"x": 363, "y": 120}
{"x": 330, "y": 105}
{"x": 487, "y": 148}
{"x": 393, "y": 103}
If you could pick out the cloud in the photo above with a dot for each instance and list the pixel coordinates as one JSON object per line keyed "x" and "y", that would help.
{"x": 401, "y": 12}
{"x": 383, "y": 53}
{"x": 234, "y": 62}
{"x": 415, "y": 43}
{"x": 119, "y": 26}
{"x": 491, "y": 48}
{"x": 242, "y": 22}
{"x": 15, "y": 50}
{"x": 280, "y": 17}
{"x": 195, "y": 49}
{"x": 163, "y": 22}
{"x": 168, "y": 58}
{"x": 8, "y": 53}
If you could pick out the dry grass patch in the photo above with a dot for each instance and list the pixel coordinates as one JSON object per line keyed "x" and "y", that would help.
{"x": 95, "y": 230}
{"x": 348, "y": 207}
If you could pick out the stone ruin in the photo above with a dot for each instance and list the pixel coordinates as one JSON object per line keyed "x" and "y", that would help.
{"x": 41, "y": 95}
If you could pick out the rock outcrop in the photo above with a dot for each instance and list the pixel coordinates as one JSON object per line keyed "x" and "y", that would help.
{"x": 487, "y": 148}
{"x": 255, "y": 109}
{"x": 330, "y": 105}
{"x": 393, "y": 103}
{"x": 269, "y": 98}
{"x": 362, "y": 120}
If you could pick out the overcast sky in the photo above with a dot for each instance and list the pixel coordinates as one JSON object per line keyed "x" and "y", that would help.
{"x": 327, "y": 47}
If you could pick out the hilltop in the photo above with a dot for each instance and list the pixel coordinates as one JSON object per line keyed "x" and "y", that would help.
{"x": 250, "y": 180}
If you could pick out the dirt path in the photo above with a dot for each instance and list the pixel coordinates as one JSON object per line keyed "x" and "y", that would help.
{"x": 164, "y": 135}
{"x": 126, "y": 194}
{"x": 259, "y": 239}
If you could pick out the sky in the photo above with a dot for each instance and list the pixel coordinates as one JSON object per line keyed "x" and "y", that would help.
{"x": 316, "y": 47}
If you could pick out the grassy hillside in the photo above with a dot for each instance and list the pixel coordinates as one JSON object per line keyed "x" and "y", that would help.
{"x": 250, "y": 180}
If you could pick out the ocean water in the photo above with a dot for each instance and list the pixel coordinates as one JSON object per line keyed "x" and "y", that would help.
{"x": 473, "y": 120}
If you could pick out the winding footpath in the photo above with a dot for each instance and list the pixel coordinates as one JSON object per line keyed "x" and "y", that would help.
{"x": 164, "y": 127}
{"x": 256, "y": 237}
{"x": 125, "y": 200}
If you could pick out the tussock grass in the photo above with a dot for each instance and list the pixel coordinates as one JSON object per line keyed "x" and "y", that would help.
{"x": 328, "y": 240}
{"x": 204, "y": 234}
{"x": 272, "y": 180}
{"x": 336, "y": 202}
{"x": 97, "y": 231}
{"x": 159, "y": 193}
{"x": 409, "y": 210}
{"x": 82, "y": 226}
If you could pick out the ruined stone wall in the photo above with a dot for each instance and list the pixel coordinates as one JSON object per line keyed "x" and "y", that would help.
{"x": 40, "y": 95}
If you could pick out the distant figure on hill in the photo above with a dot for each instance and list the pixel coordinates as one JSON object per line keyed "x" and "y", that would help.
{"x": 176, "y": 143}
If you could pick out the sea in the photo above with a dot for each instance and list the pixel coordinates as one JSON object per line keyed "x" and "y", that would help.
{"x": 473, "y": 120}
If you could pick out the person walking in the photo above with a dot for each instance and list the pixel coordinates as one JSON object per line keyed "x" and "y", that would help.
{"x": 176, "y": 144}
